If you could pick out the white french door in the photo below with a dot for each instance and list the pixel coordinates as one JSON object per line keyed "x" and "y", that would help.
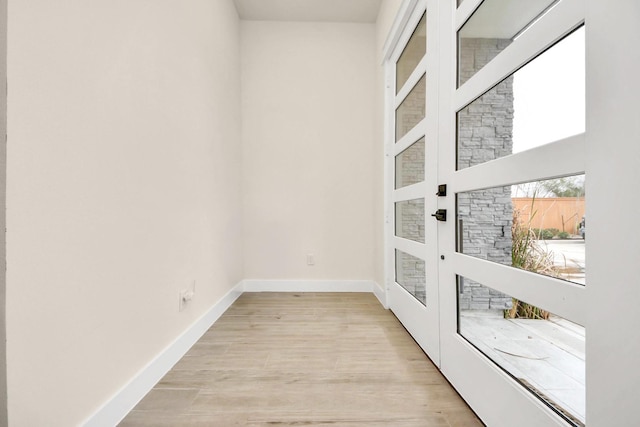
{"x": 513, "y": 153}
{"x": 412, "y": 234}
{"x": 494, "y": 294}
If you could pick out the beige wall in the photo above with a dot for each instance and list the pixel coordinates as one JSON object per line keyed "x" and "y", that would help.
{"x": 308, "y": 106}
{"x": 123, "y": 187}
{"x": 386, "y": 16}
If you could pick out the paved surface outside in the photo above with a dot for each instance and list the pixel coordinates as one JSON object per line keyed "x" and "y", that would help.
{"x": 547, "y": 356}
{"x": 569, "y": 256}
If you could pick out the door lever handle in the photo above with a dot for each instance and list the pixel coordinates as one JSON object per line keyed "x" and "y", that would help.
{"x": 440, "y": 215}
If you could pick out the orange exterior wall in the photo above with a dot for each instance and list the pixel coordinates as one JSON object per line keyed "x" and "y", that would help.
{"x": 551, "y": 212}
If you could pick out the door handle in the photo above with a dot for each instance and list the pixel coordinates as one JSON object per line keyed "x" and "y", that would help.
{"x": 440, "y": 215}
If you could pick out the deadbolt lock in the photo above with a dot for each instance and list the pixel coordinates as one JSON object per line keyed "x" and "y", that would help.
{"x": 440, "y": 215}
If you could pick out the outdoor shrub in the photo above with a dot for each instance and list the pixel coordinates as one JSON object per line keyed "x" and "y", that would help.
{"x": 528, "y": 255}
{"x": 546, "y": 233}
{"x": 563, "y": 235}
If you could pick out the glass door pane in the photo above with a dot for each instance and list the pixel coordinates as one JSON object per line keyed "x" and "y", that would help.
{"x": 493, "y": 27}
{"x": 412, "y": 54}
{"x": 412, "y": 110}
{"x": 410, "y": 165}
{"x": 536, "y": 226}
{"x": 410, "y": 220}
{"x": 543, "y": 352}
{"x": 542, "y": 102}
{"x": 411, "y": 275}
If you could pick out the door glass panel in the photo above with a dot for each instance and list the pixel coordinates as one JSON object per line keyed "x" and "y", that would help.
{"x": 412, "y": 54}
{"x": 543, "y": 352}
{"x": 491, "y": 28}
{"x": 410, "y": 220}
{"x": 537, "y": 226}
{"x": 412, "y": 109}
{"x": 540, "y": 103}
{"x": 410, "y": 165}
{"x": 411, "y": 275}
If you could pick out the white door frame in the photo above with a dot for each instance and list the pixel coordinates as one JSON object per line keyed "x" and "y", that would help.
{"x": 422, "y": 322}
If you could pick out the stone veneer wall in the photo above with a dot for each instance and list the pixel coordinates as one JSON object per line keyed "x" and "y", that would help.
{"x": 485, "y": 132}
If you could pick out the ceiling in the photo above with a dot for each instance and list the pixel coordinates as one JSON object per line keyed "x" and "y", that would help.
{"x": 309, "y": 10}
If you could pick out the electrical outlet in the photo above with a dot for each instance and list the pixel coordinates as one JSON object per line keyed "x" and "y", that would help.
{"x": 184, "y": 297}
{"x": 311, "y": 259}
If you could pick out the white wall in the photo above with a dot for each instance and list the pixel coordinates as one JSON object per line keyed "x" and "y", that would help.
{"x": 308, "y": 135}
{"x": 386, "y": 15}
{"x": 123, "y": 187}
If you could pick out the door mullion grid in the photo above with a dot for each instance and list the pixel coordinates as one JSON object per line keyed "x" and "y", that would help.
{"x": 412, "y": 136}
{"x": 562, "y": 298}
{"x": 560, "y": 158}
{"x": 413, "y": 79}
{"x": 469, "y": 370}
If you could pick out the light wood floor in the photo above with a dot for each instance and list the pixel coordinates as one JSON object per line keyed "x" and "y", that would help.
{"x": 313, "y": 359}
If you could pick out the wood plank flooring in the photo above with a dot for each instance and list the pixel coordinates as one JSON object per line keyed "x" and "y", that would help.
{"x": 313, "y": 359}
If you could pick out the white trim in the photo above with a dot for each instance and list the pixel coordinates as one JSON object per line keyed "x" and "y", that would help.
{"x": 254, "y": 285}
{"x": 493, "y": 395}
{"x": 560, "y": 297}
{"x": 388, "y": 181}
{"x": 381, "y": 294}
{"x": 401, "y": 20}
{"x": 561, "y": 158}
{"x": 464, "y": 12}
{"x": 410, "y": 192}
{"x": 123, "y": 401}
{"x": 408, "y": 139}
{"x": 416, "y": 75}
{"x": 410, "y": 247}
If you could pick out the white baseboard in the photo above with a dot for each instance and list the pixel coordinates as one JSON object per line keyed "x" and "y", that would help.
{"x": 112, "y": 412}
{"x": 309, "y": 285}
{"x": 122, "y": 402}
{"x": 381, "y": 294}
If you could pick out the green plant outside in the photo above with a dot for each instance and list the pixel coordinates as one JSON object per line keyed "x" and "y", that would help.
{"x": 526, "y": 254}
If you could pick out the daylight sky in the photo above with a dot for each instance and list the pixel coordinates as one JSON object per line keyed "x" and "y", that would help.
{"x": 549, "y": 95}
